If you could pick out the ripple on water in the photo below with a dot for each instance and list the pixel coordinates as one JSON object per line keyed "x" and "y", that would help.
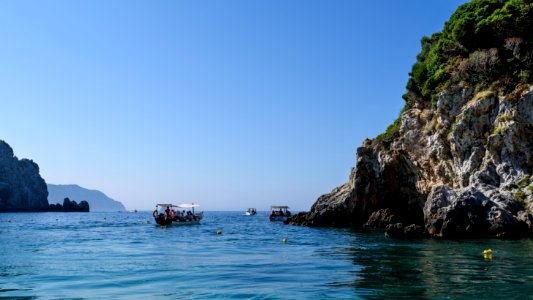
{"x": 119, "y": 255}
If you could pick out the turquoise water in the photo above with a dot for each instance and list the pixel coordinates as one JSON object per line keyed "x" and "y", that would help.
{"x": 120, "y": 256}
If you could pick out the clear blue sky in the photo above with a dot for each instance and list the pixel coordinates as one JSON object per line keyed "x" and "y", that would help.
{"x": 229, "y": 104}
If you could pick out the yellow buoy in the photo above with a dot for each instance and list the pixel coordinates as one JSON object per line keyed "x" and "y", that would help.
{"x": 219, "y": 231}
{"x": 487, "y": 254}
{"x": 285, "y": 240}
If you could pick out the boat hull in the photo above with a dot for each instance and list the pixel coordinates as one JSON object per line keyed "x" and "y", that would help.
{"x": 169, "y": 222}
{"x": 186, "y": 223}
{"x": 278, "y": 218}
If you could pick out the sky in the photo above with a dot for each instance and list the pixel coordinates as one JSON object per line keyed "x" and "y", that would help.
{"x": 228, "y": 104}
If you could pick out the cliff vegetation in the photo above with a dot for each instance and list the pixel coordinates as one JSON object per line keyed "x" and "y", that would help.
{"x": 486, "y": 44}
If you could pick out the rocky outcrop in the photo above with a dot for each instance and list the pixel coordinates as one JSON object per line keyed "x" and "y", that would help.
{"x": 459, "y": 169}
{"x": 382, "y": 190}
{"x": 70, "y": 206}
{"x": 21, "y": 186}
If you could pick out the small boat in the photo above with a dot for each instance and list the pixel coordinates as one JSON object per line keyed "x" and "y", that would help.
{"x": 279, "y": 213}
{"x": 166, "y": 214}
{"x": 251, "y": 212}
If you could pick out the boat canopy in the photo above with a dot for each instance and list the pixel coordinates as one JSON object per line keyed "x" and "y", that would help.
{"x": 169, "y": 205}
{"x": 192, "y": 205}
{"x": 180, "y": 206}
{"x": 279, "y": 206}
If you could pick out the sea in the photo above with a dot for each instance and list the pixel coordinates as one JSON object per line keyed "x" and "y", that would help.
{"x": 124, "y": 255}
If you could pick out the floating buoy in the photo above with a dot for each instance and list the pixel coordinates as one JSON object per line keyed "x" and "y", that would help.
{"x": 148, "y": 222}
{"x": 285, "y": 240}
{"x": 162, "y": 226}
{"x": 219, "y": 231}
{"x": 487, "y": 253}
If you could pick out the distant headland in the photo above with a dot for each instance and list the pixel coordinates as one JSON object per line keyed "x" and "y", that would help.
{"x": 457, "y": 163}
{"x": 97, "y": 199}
{"x": 22, "y": 189}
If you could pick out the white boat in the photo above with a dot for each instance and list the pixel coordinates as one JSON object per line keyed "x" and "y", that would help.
{"x": 279, "y": 213}
{"x": 251, "y": 212}
{"x": 167, "y": 214}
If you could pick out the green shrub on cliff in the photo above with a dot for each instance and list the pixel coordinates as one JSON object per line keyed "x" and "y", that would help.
{"x": 484, "y": 42}
{"x": 524, "y": 182}
{"x": 520, "y": 198}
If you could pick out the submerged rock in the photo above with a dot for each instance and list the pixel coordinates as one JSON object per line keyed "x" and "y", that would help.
{"x": 399, "y": 230}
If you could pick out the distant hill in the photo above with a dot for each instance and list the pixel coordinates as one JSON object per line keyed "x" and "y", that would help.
{"x": 97, "y": 200}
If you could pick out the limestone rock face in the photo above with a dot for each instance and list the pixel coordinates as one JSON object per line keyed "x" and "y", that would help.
{"x": 21, "y": 186}
{"x": 459, "y": 169}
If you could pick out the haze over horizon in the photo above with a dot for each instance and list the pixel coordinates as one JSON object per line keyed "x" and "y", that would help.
{"x": 229, "y": 104}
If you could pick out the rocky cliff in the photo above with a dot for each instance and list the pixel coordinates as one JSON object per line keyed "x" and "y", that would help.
{"x": 21, "y": 186}
{"x": 457, "y": 162}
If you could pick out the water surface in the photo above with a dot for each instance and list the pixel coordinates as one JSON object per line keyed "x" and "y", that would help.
{"x": 120, "y": 255}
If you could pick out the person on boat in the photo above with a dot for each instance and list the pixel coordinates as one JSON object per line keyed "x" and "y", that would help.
{"x": 189, "y": 216}
{"x": 180, "y": 216}
{"x": 167, "y": 212}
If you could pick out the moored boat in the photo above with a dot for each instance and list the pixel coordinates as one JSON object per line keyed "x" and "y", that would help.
{"x": 279, "y": 213}
{"x": 175, "y": 215}
{"x": 251, "y": 212}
